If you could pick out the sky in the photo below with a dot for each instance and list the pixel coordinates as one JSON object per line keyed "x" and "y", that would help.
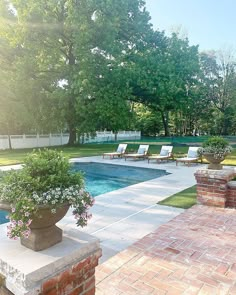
{"x": 209, "y": 23}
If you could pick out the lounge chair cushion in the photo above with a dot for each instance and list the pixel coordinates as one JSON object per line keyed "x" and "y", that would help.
{"x": 164, "y": 152}
{"x": 141, "y": 151}
{"x": 120, "y": 149}
{"x": 192, "y": 154}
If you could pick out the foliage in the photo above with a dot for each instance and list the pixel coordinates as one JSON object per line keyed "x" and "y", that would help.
{"x": 218, "y": 86}
{"x": 147, "y": 120}
{"x": 45, "y": 179}
{"x": 216, "y": 145}
{"x": 69, "y": 66}
{"x": 79, "y": 66}
{"x": 163, "y": 73}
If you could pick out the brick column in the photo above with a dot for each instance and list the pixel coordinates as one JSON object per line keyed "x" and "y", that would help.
{"x": 76, "y": 279}
{"x": 231, "y": 195}
{"x": 67, "y": 268}
{"x": 212, "y": 186}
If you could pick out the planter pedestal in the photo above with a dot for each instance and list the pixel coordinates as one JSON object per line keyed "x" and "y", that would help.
{"x": 44, "y": 232}
{"x": 214, "y": 163}
{"x": 212, "y": 186}
{"x": 43, "y": 238}
{"x": 66, "y": 268}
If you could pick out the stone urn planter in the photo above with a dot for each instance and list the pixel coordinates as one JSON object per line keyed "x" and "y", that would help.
{"x": 44, "y": 232}
{"x": 214, "y": 163}
{"x": 215, "y": 149}
{"x": 39, "y": 195}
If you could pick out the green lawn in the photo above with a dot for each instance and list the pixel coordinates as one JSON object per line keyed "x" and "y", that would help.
{"x": 184, "y": 199}
{"x": 16, "y": 156}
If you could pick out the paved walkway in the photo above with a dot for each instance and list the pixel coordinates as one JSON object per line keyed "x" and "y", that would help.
{"x": 195, "y": 253}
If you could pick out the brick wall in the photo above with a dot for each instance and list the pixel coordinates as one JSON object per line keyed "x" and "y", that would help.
{"x": 212, "y": 186}
{"x": 78, "y": 279}
{"x": 231, "y": 195}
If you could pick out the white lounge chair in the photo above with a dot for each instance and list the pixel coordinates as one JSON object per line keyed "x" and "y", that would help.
{"x": 119, "y": 152}
{"x": 141, "y": 153}
{"x": 165, "y": 154}
{"x": 192, "y": 156}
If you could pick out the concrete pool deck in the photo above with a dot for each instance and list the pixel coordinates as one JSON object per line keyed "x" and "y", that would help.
{"x": 122, "y": 217}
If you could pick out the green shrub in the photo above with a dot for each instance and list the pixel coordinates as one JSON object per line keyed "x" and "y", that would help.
{"x": 215, "y": 145}
{"x": 45, "y": 179}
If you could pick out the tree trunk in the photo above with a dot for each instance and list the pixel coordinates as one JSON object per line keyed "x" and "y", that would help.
{"x": 115, "y": 132}
{"x": 71, "y": 120}
{"x": 225, "y": 125}
{"x": 72, "y": 136}
{"x": 9, "y": 138}
{"x": 9, "y": 142}
{"x": 71, "y": 116}
{"x": 165, "y": 121}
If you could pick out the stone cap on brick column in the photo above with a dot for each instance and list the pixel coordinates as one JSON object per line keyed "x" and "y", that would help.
{"x": 232, "y": 184}
{"x": 224, "y": 174}
{"x": 24, "y": 269}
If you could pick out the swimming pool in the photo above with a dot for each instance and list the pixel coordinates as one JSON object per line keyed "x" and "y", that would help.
{"x": 3, "y": 215}
{"x": 103, "y": 178}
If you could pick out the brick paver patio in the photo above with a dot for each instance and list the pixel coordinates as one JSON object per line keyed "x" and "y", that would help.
{"x": 195, "y": 253}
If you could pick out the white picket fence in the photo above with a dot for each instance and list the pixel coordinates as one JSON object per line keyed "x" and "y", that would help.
{"x": 33, "y": 141}
{"x": 107, "y": 136}
{"x": 45, "y": 140}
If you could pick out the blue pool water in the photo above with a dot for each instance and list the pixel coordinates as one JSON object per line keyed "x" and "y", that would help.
{"x": 103, "y": 178}
{"x": 3, "y": 215}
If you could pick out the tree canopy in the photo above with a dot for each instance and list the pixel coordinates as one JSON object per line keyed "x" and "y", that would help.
{"x": 87, "y": 65}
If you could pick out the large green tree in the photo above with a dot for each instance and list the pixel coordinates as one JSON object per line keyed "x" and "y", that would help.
{"x": 72, "y": 55}
{"x": 219, "y": 84}
{"x": 164, "y": 73}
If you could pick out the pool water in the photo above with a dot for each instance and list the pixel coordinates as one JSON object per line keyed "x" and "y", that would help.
{"x": 103, "y": 178}
{"x": 3, "y": 215}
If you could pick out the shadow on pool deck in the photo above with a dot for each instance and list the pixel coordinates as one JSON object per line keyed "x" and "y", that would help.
{"x": 194, "y": 253}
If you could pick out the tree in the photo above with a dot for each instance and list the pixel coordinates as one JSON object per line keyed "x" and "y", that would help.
{"x": 165, "y": 71}
{"x": 219, "y": 84}
{"x": 69, "y": 49}
{"x": 147, "y": 121}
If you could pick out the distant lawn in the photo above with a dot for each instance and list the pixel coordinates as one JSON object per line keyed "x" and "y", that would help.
{"x": 9, "y": 157}
{"x": 184, "y": 199}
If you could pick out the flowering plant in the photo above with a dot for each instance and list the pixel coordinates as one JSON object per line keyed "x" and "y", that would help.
{"x": 45, "y": 179}
{"x": 215, "y": 145}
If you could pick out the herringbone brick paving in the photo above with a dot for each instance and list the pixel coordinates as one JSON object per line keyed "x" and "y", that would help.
{"x": 195, "y": 253}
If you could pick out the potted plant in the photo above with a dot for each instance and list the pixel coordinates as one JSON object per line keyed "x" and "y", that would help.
{"x": 39, "y": 195}
{"x": 215, "y": 149}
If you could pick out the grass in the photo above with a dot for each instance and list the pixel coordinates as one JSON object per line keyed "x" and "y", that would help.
{"x": 184, "y": 199}
{"x": 9, "y": 157}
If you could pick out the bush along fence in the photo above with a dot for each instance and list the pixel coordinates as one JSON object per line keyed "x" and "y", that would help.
{"x": 46, "y": 140}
